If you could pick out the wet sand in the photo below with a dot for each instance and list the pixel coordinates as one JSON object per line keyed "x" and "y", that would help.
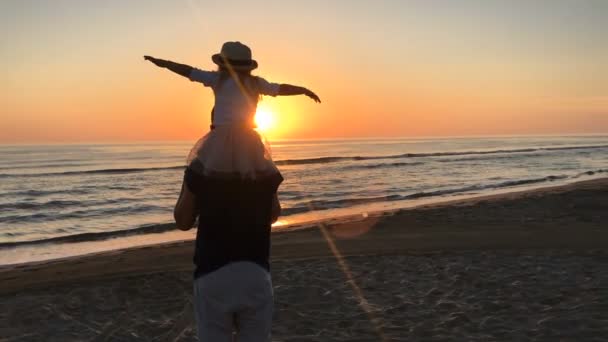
{"x": 530, "y": 265}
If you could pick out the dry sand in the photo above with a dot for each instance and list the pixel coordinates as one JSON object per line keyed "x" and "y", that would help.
{"x": 531, "y": 265}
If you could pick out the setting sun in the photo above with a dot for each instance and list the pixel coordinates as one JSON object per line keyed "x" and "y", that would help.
{"x": 264, "y": 119}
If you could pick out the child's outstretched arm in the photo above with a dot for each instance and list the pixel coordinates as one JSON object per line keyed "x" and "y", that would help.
{"x": 181, "y": 69}
{"x": 288, "y": 89}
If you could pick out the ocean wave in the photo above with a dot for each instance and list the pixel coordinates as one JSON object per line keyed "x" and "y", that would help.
{"x": 590, "y": 173}
{"x": 83, "y": 213}
{"x": 334, "y": 159}
{"x": 36, "y": 165}
{"x": 474, "y": 158}
{"x": 37, "y": 193}
{"x": 347, "y": 202}
{"x": 97, "y": 171}
{"x": 382, "y": 165}
{"x": 54, "y": 204}
{"x": 96, "y": 236}
{"x": 80, "y": 190}
{"x": 63, "y": 204}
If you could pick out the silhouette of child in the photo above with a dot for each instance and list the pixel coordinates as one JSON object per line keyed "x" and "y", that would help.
{"x": 233, "y": 147}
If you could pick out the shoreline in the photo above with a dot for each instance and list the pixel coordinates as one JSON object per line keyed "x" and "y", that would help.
{"x": 162, "y": 234}
{"x": 397, "y": 231}
{"x": 157, "y": 232}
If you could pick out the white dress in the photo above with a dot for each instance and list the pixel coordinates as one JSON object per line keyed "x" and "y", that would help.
{"x": 233, "y": 148}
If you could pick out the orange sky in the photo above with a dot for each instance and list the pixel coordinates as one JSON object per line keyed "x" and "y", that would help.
{"x": 73, "y": 72}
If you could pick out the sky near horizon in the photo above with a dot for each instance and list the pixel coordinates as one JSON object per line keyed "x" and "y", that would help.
{"x": 72, "y": 71}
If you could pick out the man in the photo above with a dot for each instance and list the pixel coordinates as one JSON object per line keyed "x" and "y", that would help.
{"x": 232, "y": 284}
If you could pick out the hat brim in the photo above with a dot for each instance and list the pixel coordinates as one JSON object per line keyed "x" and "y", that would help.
{"x": 236, "y": 65}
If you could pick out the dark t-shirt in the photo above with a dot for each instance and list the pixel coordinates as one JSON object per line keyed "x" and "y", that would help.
{"x": 234, "y": 220}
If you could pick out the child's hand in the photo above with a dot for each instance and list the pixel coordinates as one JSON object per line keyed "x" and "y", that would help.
{"x": 312, "y": 95}
{"x": 151, "y": 59}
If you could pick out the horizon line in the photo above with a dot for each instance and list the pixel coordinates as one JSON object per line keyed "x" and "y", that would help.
{"x": 421, "y": 137}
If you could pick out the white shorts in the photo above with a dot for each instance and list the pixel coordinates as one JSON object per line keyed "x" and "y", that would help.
{"x": 236, "y": 298}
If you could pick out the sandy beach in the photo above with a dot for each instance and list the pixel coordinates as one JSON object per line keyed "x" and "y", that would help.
{"x": 528, "y": 265}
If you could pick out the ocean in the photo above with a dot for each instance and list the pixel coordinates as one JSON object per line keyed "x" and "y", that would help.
{"x": 51, "y": 195}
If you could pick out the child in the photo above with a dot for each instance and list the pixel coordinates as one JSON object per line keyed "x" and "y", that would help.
{"x": 233, "y": 148}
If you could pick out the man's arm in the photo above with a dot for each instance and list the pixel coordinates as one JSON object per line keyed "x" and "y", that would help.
{"x": 276, "y": 209}
{"x": 185, "y": 209}
{"x": 180, "y": 69}
{"x": 288, "y": 89}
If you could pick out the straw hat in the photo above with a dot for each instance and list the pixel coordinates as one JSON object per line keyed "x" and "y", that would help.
{"x": 237, "y": 55}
